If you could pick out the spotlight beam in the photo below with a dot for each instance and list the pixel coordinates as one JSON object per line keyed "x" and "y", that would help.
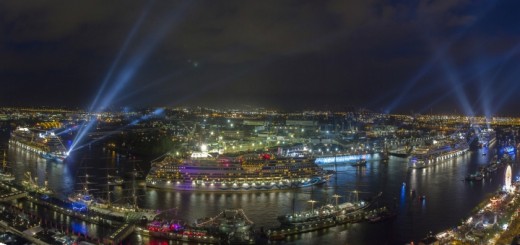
{"x": 145, "y": 50}
{"x": 437, "y": 56}
{"x": 157, "y": 111}
{"x": 131, "y": 67}
{"x": 457, "y": 85}
{"x": 120, "y": 54}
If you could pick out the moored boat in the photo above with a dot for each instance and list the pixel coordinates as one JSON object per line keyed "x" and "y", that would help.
{"x": 231, "y": 224}
{"x": 328, "y": 211}
{"x": 475, "y": 177}
{"x": 47, "y": 145}
{"x": 360, "y": 163}
{"x": 248, "y": 172}
{"x": 438, "y": 152}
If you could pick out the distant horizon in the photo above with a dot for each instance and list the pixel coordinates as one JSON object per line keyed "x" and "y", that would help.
{"x": 315, "y": 109}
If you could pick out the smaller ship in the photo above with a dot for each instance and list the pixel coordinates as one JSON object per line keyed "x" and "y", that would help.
{"x": 177, "y": 230}
{"x": 82, "y": 198}
{"x": 474, "y": 177}
{"x": 438, "y": 152}
{"x": 402, "y": 152}
{"x": 486, "y": 137}
{"x": 114, "y": 180}
{"x": 382, "y": 215}
{"x": 327, "y": 211}
{"x": 360, "y": 163}
{"x": 31, "y": 185}
{"x": 231, "y": 224}
{"x": 5, "y": 175}
{"x": 46, "y": 144}
{"x": 492, "y": 168}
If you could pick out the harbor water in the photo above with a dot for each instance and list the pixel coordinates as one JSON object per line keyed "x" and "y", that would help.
{"x": 448, "y": 199}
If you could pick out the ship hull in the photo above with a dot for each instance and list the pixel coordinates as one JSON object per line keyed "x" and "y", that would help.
{"x": 219, "y": 187}
{"x": 38, "y": 151}
{"x": 430, "y": 162}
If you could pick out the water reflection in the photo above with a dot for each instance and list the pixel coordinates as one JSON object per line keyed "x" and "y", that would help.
{"x": 448, "y": 198}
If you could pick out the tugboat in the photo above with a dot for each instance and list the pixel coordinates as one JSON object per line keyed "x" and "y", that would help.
{"x": 360, "y": 163}
{"x": 475, "y": 177}
{"x": 382, "y": 215}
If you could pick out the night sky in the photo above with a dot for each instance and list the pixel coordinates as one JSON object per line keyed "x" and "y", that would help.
{"x": 388, "y": 56}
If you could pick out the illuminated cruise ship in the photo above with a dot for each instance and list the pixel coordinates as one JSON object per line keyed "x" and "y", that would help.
{"x": 47, "y": 145}
{"x": 486, "y": 137}
{"x": 423, "y": 157}
{"x": 204, "y": 172}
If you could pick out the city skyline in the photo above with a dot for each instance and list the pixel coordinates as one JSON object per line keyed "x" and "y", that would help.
{"x": 385, "y": 56}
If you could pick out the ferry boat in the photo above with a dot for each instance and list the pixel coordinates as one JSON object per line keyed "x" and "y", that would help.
{"x": 205, "y": 172}
{"x": 46, "y": 144}
{"x": 424, "y": 157}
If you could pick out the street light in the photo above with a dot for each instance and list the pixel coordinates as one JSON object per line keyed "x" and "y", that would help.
{"x": 312, "y": 205}
{"x": 336, "y": 196}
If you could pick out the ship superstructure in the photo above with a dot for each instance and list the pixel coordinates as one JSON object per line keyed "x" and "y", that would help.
{"x": 245, "y": 172}
{"x": 46, "y": 144}
{"x": 439, "y": 151}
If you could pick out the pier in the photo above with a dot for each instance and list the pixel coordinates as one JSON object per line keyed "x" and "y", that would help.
{"x": 22, "y": 234}
{"x": 120, "y": 234}
{"x": 12, "y": 196}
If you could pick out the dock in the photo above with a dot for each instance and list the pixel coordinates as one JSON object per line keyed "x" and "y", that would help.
{"x": 355, "y": 217}
{"x": 22, "y": 234}
{"x": 120, "y": 234}
{"x": 12, "y": 196}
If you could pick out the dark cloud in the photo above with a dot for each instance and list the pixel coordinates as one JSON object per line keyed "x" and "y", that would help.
{"x": 294, "y": 54}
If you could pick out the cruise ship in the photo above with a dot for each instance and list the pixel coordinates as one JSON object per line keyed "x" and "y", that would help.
{"x": 46, "y": 144}
{"x": 486, "y": 137}
{"x": 423, "y": 157}
{"x": 205, "y": 172}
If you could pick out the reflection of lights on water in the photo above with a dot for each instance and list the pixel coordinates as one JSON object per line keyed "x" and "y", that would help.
{"x": 79, "y": 227}
{"x": 403, "y": 193}
{"x": 326, "y": 160}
